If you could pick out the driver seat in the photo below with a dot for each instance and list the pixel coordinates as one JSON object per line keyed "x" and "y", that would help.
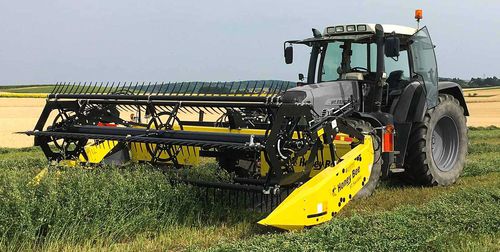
{"x": 394, "y": 80}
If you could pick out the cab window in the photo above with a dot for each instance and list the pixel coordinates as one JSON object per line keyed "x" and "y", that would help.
{"x": 399, "y": 64}
{"x": 331, "y": 62}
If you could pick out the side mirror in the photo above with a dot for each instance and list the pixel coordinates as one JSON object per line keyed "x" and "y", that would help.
{"x": 391, "y": 46}
{"x": 301, "y": 76}
{"x": 289, "y": 54}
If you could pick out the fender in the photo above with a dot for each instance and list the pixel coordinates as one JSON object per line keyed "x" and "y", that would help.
{"x": 411, "y": 105}
{"x": 455, "y": 90}
{"x": 408, "y": 108}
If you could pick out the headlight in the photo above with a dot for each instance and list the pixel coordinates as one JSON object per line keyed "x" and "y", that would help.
{"x": 351, "y": 28}
{"x": 293, "y": 96}
{"x": 330, "y": 30}
{"x": 339, "y": 28}
{"x": 361, "y": 27}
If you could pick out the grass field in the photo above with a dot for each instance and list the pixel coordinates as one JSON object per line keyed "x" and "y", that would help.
{"x": 133, "y": 209}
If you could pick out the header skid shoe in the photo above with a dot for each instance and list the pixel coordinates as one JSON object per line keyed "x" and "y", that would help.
{"x": 321, "y": 197}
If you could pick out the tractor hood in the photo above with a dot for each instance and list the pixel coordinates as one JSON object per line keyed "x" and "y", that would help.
{"x": 324, "y": 96}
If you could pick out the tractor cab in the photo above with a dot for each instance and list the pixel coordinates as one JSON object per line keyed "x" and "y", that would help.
{"x": 390, "y": 62}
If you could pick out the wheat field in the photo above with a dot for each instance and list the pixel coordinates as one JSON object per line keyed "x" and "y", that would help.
{"x": 21, "y": 114}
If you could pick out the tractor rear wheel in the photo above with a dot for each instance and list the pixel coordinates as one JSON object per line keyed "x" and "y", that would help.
{"x": 376, "y": 169}
{"x": 437, "y": 146}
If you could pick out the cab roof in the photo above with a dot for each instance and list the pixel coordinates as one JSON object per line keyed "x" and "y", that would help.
{"x": 357, "y": 32}
{"x": 358, "y": 28}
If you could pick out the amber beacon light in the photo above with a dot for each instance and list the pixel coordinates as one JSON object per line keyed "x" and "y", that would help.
{"x": 418, "y": 15}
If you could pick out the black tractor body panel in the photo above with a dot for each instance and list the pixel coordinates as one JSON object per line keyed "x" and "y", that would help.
{"x": 410, "y": 106}
{"x": 455, "y": 90}
{"x": 325, "y": 96}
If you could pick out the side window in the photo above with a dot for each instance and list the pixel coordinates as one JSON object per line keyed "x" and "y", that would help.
{"x": 424, "y": 63}
{"x": 401, "y": 64}
{"x": 331, "y": 61}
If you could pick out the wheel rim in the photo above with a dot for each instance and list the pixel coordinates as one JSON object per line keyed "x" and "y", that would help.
{"x": 445, "y": 144}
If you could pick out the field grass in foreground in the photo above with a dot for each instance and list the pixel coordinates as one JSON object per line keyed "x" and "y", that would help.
{"x": 134, "y": 209}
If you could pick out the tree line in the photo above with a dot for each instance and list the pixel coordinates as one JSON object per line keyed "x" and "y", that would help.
{"x": 475, "y": 82}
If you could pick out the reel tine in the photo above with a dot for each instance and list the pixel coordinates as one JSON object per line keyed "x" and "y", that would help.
{"x": 194, "y": 88}
{"x": 62, "y": 87}
{"x": 224, "y": 88}
{"x": 181, "y": 91}
{"x": 262, "y": 88}
{"x": 238, "y": 88}
{"x": 65, "y": 88}
{"x": 273, "y": 91}
{"x": 79, "y": 86}
{"x": 68, "y": 87}
{"x": 82, "y": 88}
{"x": 229, "y": 91}
{"x": 159, "y": 89}
{"x": 91, "y": 92}
{"x": 170, "y": 88}
{"x": 88, "y": 88}
{"x": 207, "y": 90}
{"x": 281, "y": 87}
{"x": 254, "y": 86}
{"x": 55, "y": 88}
{"x": 102, "y": 91}
{"x": 135, "y": 87}
{"x": 142, "y": 91}
{"x": 121, "y": 88}
{"x": 111, "y": 88}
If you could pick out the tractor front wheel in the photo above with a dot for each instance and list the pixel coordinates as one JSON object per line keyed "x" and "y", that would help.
{"x": 437, "y": 146}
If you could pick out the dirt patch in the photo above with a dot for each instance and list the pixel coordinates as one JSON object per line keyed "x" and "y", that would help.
{"x": 484, "y": 114}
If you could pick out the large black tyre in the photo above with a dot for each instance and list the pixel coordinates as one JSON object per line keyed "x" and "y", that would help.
{"x": 438, "y": 146}
{"x": 376, "y": 169}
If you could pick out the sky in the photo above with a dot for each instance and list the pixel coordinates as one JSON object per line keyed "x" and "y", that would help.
{"x": 185, "y": 40}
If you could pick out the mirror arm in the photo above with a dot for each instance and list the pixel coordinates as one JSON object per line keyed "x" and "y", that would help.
{"x": 379, "y": 37}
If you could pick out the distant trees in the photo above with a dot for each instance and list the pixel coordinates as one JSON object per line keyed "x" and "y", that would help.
{"x": 487, "y": 82}
{"x": 475, "y": 82}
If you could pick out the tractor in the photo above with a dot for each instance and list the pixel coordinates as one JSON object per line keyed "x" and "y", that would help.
{"x": 392, "y": 74}
{"x": 370, "y": 106}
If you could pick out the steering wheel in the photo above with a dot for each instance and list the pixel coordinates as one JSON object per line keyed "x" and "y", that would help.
{"x": 359, "y": 69}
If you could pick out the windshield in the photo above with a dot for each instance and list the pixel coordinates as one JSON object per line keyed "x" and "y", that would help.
{"x": 341, "y": 57}
{"x": 344, "y": 57}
